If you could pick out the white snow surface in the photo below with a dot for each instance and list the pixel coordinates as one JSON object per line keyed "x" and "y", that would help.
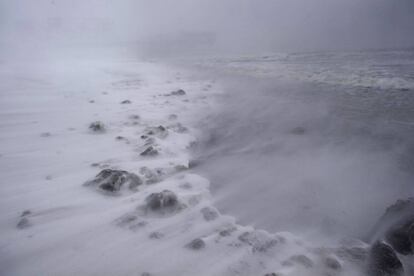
{"x": 46, "y": 155}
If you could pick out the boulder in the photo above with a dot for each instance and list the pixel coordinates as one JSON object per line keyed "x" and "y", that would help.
{"x": 383, "y": 261}
{"x": 162, "y": 201}
{"x": 396, "y": 227}
{"x": 401, "y": 237}
{"x": 113, "y": 181}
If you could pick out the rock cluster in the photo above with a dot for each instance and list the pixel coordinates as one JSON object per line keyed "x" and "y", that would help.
{"x": 113, "y": 181}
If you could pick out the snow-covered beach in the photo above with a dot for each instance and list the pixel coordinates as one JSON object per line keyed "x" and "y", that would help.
{"x": 52, "y": 224}
{"x": 97, "y": 178}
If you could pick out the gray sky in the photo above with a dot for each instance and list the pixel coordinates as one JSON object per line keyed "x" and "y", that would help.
{"x": 239, "y": 25}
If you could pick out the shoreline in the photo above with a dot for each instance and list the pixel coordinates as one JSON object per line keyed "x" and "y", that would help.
{"x": 76, "y": 229}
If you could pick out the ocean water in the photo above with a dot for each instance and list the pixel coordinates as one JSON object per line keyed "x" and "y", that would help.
{"x": 312, "y": 143}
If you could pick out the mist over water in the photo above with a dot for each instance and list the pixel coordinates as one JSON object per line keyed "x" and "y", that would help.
{"x": 312, "y": 156}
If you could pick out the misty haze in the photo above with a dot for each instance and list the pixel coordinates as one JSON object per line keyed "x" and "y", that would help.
{"x": 207, "y": 137}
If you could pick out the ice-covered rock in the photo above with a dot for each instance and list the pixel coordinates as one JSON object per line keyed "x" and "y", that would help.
{"x": 260, "y": 240}
{"x": 97, "y": 126}
{"x": 178, "y": 127}
{"x": 150, "y": 151}
{"x": 159, "y": 131}
{"x": 209, "y": 213}
{"x": 196, "y": 244}
{"x": 164, "y": 202}
{"x": 149, "y": 175}
{"x": 113, "y": 181}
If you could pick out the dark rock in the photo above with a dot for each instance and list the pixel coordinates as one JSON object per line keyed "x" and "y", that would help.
{"x": 126, "y": 102}
{"x": 162, "y": 200}
{"x": 120, "y": 138}
{"x": 209, "y": 213}
{"x": 150, "y": 151}
{"x": 178, "y": 92}
{"x": 401, "y": 238}
{"x": 396, "y": 226}
{"x": 196, "y": 244}
{"x": 383, "y": 261}
{"x": 134, "y": 117}
{"x": 332, "y": 263}
{"x": 113, "y": 180}
{"x": 23, "y": 223}
{"x": 144, "y": 136}
{"x": 97, "y": 126}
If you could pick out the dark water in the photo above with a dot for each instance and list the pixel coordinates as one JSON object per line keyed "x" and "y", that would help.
{"x": 312, "y": 154}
